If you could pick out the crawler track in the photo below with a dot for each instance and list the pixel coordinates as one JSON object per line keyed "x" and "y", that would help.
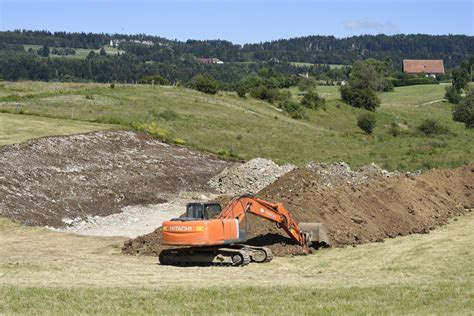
{"x": 231, "y": 255}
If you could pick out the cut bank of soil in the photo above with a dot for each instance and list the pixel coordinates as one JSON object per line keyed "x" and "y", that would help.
{"x": 54, "y": 180}
{"x": 353, "y": 213}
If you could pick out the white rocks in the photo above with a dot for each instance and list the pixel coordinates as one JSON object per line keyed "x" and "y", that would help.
{"x": 249, "y": 177}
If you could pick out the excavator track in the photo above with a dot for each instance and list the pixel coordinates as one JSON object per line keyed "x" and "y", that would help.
{"x": 204, "y": 256}
{"x": 230, "y": 255}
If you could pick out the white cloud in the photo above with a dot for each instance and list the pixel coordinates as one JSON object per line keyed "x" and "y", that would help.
{"x": 370, "y": 25}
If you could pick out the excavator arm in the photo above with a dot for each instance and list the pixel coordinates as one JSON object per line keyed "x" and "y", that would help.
{"x": 303, "y": 233}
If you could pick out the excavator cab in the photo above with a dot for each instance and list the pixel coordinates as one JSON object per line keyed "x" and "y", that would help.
{"x": 203, "y": 210}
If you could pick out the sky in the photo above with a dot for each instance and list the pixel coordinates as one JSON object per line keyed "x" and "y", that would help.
{"x": 244, "y": 21}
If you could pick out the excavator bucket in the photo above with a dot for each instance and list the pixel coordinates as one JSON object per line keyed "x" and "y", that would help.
{"x": 316, "y": 234}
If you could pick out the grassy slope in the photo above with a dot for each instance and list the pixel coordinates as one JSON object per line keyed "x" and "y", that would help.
{"x": 47, "y": 272}
{"x": 19, "y": 128}
{"x": 250, "y": 128}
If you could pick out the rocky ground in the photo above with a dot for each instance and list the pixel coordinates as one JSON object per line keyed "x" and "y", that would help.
{"x": 249, "y": 177}
{"x": 54, "y": 180}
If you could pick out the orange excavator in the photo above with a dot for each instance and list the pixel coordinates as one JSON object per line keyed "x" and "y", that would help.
{"x": 209, "y": 236}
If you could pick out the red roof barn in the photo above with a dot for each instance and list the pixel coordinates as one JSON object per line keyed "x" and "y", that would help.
{"x": 422, "y": 66}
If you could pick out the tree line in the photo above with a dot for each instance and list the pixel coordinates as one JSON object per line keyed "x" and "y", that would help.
{"x": 453, "y": 49}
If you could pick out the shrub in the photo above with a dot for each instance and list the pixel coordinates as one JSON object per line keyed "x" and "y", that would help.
{"x": 179, "y": 141}
{"x": 206, "y": 84}
{"x": 155, "y": 79}
{"x": 452, "y": 95}
{"x": 293, "y": 108}
{"x": 430, "y": 127}
{"x": 167, "y": 115}
{"x": 270, "y": 94}
{"x": 312, "y": 100}
{"x": 411, "y": 81}
{"x": 394, "y": 130}
{"x": 360, "y": 98}
{"x": 464, "y": 111}
{"x": 112, "y": 86}
{"x": 388, "y": 86}
{"x": 241, "y": 91}
{"x": 89, "y": 97}
{"x": 366, "y": 122}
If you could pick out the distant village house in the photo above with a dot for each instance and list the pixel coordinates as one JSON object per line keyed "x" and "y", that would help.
{"x": 205, "y": 60}
{"x": 423, "y": 66}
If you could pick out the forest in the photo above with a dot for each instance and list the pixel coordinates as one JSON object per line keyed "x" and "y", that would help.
{"x": 175, "y": 61}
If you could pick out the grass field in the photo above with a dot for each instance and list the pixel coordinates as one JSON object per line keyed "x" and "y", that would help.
{"x": 19, "y": 128}
{"x": 249, "y": 128}
{"x": 81, "y": 53}
{"x": 44, "y": 272}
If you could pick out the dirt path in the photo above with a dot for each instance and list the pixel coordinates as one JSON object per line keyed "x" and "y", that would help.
{"x": 134, "y": 220}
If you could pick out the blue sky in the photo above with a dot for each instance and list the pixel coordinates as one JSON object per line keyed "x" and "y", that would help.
{"x": 243, "y": 21}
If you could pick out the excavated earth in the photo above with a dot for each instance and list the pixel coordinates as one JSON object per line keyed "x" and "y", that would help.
{"x": 366, "y": 206}
{"x": 54, "y": 180}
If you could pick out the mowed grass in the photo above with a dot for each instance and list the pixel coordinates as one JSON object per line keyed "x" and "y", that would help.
{"x": 20, "y": 128}
{"x": 81, "y": 53}
{"x": 44, "y": 272}
{"x": 249, "y": 128}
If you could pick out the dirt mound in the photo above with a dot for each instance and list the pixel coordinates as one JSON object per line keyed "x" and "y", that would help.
{"x": 384, "y": 208}
{"x": 249, "y": 177}
{"x": 353, "y": 213}
{"x": 52, "y": 180}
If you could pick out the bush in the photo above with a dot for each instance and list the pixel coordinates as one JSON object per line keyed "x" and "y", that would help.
{"x": 430, "y": 127}
{"x": 167, "y": 115}
{"x": 394, "y": 130}
{"x": 360, "y": 98}
{"x": 156, "y": 79}
{"x": 411, "y": 81}
{"x": 388, "y": 86}
{"x": 179, "y": 141}
{"x": 270, "y": 94}
{"x": 112, "y": 86}
{"x": 293, "y": 108}
{"x": 464, "y": 111}
{"x": 453, "y": 95}
{"x": 206, "y": 84}
{"x": 312, "y": 100}
{"x": 241, "y": 91}
{"x": 366, "y": 122}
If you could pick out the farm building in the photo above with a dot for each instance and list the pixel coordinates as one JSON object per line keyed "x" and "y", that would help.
{"x": 205, "y": 60}
{"x": 423, "y": 66}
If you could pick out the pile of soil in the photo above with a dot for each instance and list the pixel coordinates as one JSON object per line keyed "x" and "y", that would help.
{"x": 52, "y": 180}
{"x": 249, "y": 177}
{"x": 353, "y": 213}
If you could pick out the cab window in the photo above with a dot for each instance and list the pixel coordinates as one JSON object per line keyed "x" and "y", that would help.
{"x": 213, "y": 210}
{"x": 195, "y": 211}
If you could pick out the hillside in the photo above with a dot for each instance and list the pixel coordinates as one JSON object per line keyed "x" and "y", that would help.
{"x": 247, "y": 128}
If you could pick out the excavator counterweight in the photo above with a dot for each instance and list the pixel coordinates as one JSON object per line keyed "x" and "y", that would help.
{"x": 211, "y": 236}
